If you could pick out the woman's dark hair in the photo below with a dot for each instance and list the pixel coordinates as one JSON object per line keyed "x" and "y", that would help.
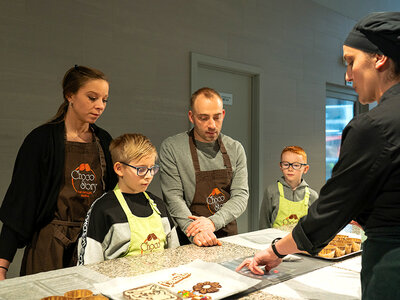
{"x": 394, "y": 73}
{"x": 73, "y": 80}
{"x": 396, "y": 67}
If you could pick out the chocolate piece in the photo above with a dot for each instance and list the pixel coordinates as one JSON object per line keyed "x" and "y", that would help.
{"x": 150, "y": 292}
{"x": 207, "y": 287}
{"x": 176, "y": 278}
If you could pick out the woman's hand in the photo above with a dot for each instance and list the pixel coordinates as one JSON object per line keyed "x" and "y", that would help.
{"x": 355, "y": 224}
{"x": 4, "y": 268}
{"x": 3, "y": 274}
{"x": 265, "y": 258}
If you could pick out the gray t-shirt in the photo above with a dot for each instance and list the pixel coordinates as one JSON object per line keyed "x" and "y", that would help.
{"x": 178, "y": 179}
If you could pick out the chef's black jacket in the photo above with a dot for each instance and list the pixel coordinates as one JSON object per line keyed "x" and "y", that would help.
{"x": 365, "y": 182}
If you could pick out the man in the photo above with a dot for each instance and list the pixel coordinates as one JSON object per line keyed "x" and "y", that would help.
{"x": 365, "y": 183}
{"x": 204, "y": 174}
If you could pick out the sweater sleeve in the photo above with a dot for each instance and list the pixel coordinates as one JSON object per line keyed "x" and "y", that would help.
{"x": 92, "y": 244}
{"x": 31, "y": 196}
{"x": 10, "y": 243}
{"x": 313, "y": 197}
{"x": 172, "y": 187}
{"x": 266, "y": 211}
{"x": 172, "y": 239}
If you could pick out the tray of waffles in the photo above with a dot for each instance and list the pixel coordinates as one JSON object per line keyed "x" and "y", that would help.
{"x": 340, "y": 247}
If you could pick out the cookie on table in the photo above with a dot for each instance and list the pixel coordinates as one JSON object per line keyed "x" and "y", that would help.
{"x": 150, "y": 292}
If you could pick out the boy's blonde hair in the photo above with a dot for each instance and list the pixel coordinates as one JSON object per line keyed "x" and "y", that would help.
{"x": 295, "y": 149}
{"x": 131, "y": 146}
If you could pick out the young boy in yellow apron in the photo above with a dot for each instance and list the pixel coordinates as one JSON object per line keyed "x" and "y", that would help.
{"x": 128, "y": 220}
{"x": 286, "y": 201}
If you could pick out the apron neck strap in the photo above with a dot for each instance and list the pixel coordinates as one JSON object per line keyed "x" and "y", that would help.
{"x": 195, "y": 157}
{"x": 118, "y": 193}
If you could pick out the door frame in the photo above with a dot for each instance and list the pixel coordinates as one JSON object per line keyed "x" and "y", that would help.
{"x": 256, "y": 179}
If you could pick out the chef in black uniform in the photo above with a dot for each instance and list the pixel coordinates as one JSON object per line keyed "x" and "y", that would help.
{"x": 365, "y": 183}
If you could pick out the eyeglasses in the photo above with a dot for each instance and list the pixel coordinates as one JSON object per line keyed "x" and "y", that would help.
{"x": 142, "y": 171}
{"x": 295, "y": 165}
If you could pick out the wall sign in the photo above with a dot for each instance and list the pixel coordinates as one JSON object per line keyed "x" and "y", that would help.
{"x": 227, "y": 99}
{"x": 348, "y": 83}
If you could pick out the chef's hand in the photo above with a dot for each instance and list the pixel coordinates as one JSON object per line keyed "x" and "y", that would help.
{"x": 265, "y": 258}
{"x": 355, "y": 223}
{"x": 5, "y": 263}
{"x": 199, "y": 224}
{"x": 206, "y": 238}
{"x": 2, "y": 274}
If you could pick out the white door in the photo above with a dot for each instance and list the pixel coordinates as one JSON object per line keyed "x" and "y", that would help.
{"x": 237, "y": 122}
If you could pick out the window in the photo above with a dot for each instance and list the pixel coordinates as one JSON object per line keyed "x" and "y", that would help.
{"x": 338, "y": 113}
{"x": 340, "y": 107}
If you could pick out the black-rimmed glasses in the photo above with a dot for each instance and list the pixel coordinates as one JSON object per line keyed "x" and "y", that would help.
{"x": 142, "y": 171}
{"x": 295, "y": 165}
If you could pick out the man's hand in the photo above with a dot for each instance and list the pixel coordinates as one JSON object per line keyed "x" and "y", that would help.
{"x": 265, "y": 258}
{"x": 206, "y": 238}
{"x": 199, "y": 224}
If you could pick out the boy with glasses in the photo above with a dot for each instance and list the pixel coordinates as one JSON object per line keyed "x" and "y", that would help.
{"x": 128, "y": 220}
{"x": 286, "y": 201}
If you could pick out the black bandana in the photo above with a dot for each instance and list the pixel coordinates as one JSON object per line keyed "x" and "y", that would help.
{"x": 377, "y": 33}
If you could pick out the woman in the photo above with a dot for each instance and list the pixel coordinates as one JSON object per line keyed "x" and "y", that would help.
{"x": 61, "y": 168}
{"x": 365, "y": 183}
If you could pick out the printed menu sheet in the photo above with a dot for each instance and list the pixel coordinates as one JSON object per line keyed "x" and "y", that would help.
{"x": 45, "y": 284}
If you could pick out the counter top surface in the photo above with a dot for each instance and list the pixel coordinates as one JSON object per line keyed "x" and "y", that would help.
{"x": 169, "y": 258}
{"x": 328, "y": 282}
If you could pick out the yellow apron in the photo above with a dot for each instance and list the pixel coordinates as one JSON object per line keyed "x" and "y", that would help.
{"x": 289, "y": 211}
{"x": 147, "y": 233}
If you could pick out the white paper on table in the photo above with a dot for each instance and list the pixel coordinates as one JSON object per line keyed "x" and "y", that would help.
{"x": 231, "y": 282}
{"x": 260, "y": 239}
{"x": 328, "y": 283}
{"x": 352, "y": 264}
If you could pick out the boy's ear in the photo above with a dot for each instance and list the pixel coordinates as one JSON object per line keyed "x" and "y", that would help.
{"x": 306, "y": 169}
{"x": 118, "y": 169}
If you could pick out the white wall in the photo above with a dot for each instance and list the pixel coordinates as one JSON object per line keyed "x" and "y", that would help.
{"x": 144, "y": 47}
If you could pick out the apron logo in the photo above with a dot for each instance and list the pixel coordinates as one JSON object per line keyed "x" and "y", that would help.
{"x": 82, "y": 180}
{"x": 215, "y": 200}
{"x": 150, "y": 244}
{"x": 292, "y": 219}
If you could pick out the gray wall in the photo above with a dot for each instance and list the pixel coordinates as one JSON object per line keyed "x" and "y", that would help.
{"x": 144, "y": 48}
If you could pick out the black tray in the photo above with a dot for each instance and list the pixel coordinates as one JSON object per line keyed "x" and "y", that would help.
{"x": 355, "y": 253}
